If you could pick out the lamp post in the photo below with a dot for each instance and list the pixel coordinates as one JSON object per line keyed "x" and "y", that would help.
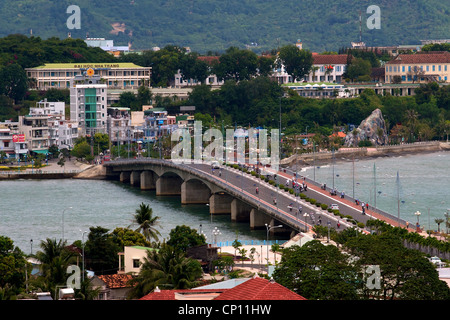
{"x": 215, "y": 233}
{"x": 82, "y": 241}
{"x": 63, "y": 223}
{"x": 31, "y": 244}
{"x": 306, "y": 215}
{"x": 268, "y": 228}
{"x": 417, "y": 214}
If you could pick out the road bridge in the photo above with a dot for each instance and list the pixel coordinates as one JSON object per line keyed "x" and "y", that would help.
{"x": 227, "y": 191}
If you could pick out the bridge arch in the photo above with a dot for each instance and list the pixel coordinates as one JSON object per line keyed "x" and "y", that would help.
{"x": 194, "y": 190}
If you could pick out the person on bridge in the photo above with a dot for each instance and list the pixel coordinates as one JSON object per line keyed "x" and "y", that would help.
{"x": 257, "y": 190}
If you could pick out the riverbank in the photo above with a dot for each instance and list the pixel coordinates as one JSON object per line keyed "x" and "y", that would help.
{"x": 345, "y": 154}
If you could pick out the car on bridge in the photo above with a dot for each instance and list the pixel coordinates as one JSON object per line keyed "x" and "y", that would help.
{"x": 334, "y": 206}
{"x": 215, "y": 165}
{"x": 436, "y": 261}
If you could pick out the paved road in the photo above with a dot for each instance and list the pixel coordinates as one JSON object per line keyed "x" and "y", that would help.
{"x": 247, "y": 184}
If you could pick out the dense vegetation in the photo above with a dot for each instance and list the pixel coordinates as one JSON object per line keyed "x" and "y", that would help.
{"x": 214, "y": 25}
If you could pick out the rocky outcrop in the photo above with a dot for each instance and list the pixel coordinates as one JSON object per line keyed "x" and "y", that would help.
{"x": 373, "y": 129}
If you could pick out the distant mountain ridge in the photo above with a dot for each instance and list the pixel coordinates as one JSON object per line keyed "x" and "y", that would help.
{"x": 212, "y": 25}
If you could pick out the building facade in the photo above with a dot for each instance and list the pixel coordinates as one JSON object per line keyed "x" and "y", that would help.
{"x": 326, "y": 68}
{"x": 419, "y": 67}
{"x": 88, "y": 104}
{"x": 114, "y": 75}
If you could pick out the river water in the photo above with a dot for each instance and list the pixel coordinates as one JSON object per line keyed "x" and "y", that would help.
{"x": 40, "y": 209}
{"x": 424, "y": 184}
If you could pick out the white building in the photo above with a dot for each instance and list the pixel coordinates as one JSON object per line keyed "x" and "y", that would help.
{"x": 88, "y": 104}
{"x": 119, "y": 126}
{"x": 115, "y": 75}
{"x": 62, "y": 132}
{"x": 131, "y": 260}
{"x": 326, "y": 68}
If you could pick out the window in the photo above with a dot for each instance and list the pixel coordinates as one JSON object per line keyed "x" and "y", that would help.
{"x": 434, "y": 68}
{"x": 403, "y": 68}
{"x": 428, "y": 68}
{"x": 136, "y": 263}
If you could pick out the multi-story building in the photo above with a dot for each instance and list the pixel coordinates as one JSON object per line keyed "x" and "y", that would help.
{"x": 114, "y": 75}
{"x": 11, "y": 141}
{"x": 158, "y": 123}
{"x": 36, "y": 131}
{"x": 88, "y": 104}
{"x": 419, "y": 67}
{"x": 325, "y": 68}
{"x": 119, "y": 126}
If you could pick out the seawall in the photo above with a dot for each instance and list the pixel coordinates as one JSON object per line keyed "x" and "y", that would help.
{"x": 382, "y": 151}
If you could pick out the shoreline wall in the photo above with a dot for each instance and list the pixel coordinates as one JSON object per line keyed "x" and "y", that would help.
{"x": 382, "y": 151}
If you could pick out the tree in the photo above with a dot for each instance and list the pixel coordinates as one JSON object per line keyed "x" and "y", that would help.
{"x": 403, "y": 272}
{"x": 144, "y": 96}
{"x": 101, "y": 251}
{"x": 101, "y": 142}
{"x": 127, "y": 237}
{"x": 165, "y": 268}
{"x": 317, "y": 272}
{"x": 13, "y": 82}
{"x": 298, "y": 63}
{"x": 12, "y": 266}
{"x": 55, "y": 259}
{"x": 357, "y": 68}
{"x": 236, "y": 64}
{"x": 191, "y": 67}
{"x": 146, "y": 222}
{"x": 165, "y": 64}
{"x": 265, "y": 65}
{"x": 81, "y": 149}
{"x": 183, "y": 237}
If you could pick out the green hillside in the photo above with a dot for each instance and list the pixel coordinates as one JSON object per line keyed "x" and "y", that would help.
{"x": 214, "y": 25}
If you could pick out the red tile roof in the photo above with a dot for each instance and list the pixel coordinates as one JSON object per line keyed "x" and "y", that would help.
{"x": 171, "y": 294}
{"x": 209, "y": 59}
{"x": 330, "y": 59}
{"x": 252, "y": 289}
{"x": 114, "y": 281}
{"x": 259, "y": 289}
{"x": 422, "y": 57}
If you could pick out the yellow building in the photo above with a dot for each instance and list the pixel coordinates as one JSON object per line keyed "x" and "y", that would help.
{"x": 419, "y": 67}
{"x": 114, "y": 75}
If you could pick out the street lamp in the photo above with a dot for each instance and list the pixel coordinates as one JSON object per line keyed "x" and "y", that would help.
{"x": 306, "y": 215}
{"x": 268, "y": 229}
{"x": 82, "y": 241}
{"x": 63, "y": 223}
{"x": 417, "y": 214}
{"x": 215, "y": 233}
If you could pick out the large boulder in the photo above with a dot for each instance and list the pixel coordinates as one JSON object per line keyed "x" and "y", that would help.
{"x": 373, "y": 129}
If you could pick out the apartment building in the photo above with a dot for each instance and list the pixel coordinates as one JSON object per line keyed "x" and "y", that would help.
{"x": 62, "y": 132}
{"x": 119, "y": 126}
{"x": 114, "y": 75}
{"x": 88, "y": 104}
{"x": 419, "y": 67}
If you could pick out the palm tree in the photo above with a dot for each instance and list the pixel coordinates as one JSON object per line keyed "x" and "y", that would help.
{"x": 165, "y": 268}
{"x": 439, "y": 221}
{"x": 147, "y": 223}
{"x": 54, "y": 260}
{"x": 411, "y": 120}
